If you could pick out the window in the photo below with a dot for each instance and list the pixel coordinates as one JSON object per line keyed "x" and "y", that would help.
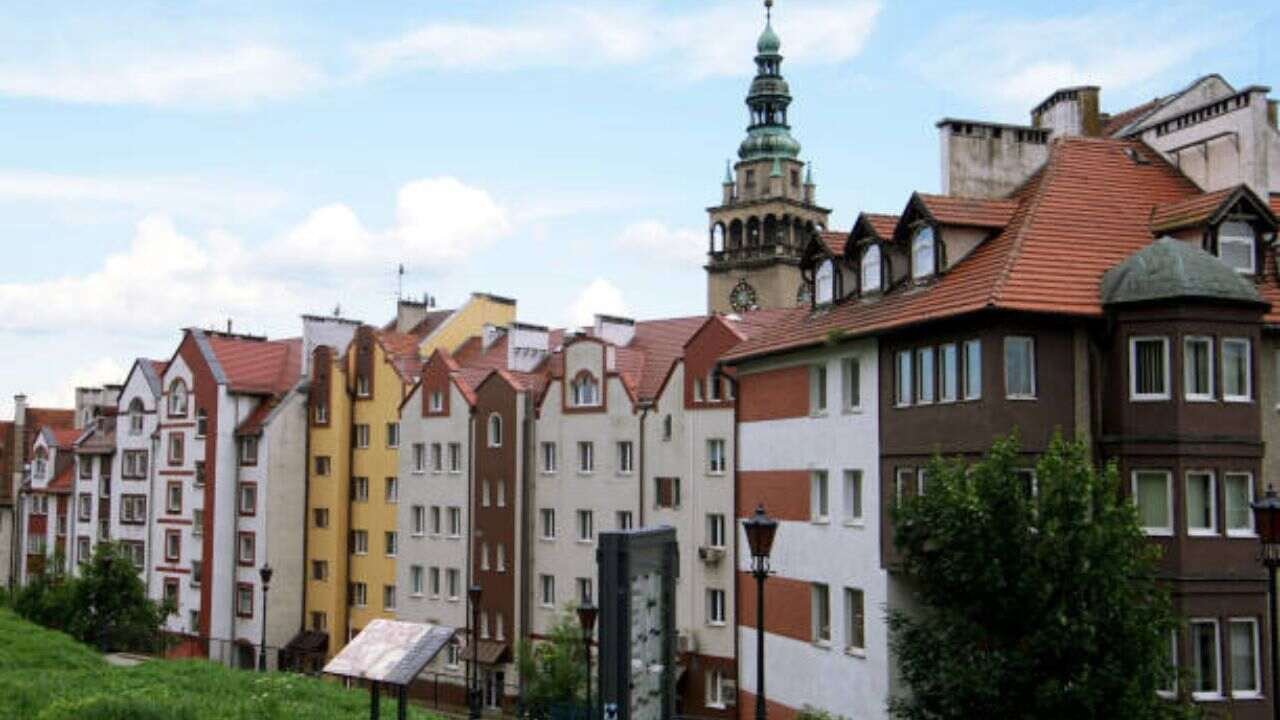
{"x": 435, "y": 520}
{"x": 360, "y": 489}
{"x": 821, "y": 605}
{"x": 324, "y": 465}
{"x": 320, "y": 516}
{"x": 586, "y": 526}
{"x": 584, "y": 591}
{"x": 626, "y": 457}
{"x": 715, "y": 606}
{"x": 360, "y": 542}
{"x": 1153, "y": 494}
{"x": 854, "y": 621}
{"x": 817, "y": 389}
{"x": 437, "y": 458}
{"x": 667, "y": 492}
{"x": 714, "y": 384}
{"x": 176, "y": 448}
{"x": 362, "y": 386}
{"x": 248, "y": 498}
{"x": 319, "y": 570}
{"x": 1148, "y": 368}
{"x": 1238, "y": 489}
{"x": 197, "y": 522}
{"x": 84, "y": 509}
{"x": 319, "y": 621}
{"x": 433, "y": 576}
{"x": 698, "y": 393}
{"x": 134, "y": 464}
{"x": 547, "y": 583}
{"x": 1019, "y": 367}
{"x": 135, "y": 551}
{"x": 388, "y": 597}
{"x": 495, "y": 430}
{"x": 972, "y": 369}
{"x": 1206, "y": 677}
{"x": 666, "y": 427}
{"x": 1201, "y": 504}
{"x": 586, "y": 457}
{"x": 202, "y": 423}
{"x": 62, "y": 525}
{"x": 173, "y": 545}
{"x": 1236, "y": 375}
{"x": 851, "y": 384}
{"x": 484, "y": 494}
{"x": 715, "y": 530}
{"x": 499, "y": 630}
{"x": 501, "y": 560}
{"x": 171, "y": 591}
{"x": 452, "y": 654}
{"x": 922, "y": 253}
{"x": 455, "y": 521}
{"x": 903, "y": 379}
{"x": 1246, "y": 671}
{"x": 359, "y": 594}
{"x": 135, "y": 416}
{"x": 924, "y": 375}
{"x": 902, "y": 478}
{"x": 715, "y": 456}
{"x": 391, "y": 491}
{"x": 82, "y": 549}
{"x": 948, "y": 372}
{"x": 322, "y": 414}
{"x": 133, "y": 509}
{"x": 178, "y": 399}
{"x": 419, "y": 520}
{"x": 197, "y": 571}
{"x": 548, "y": 457}
{"x": 824, "y": 282}
{"x": 547, "y": 517}
{"x": 852, "y": 496}
{"x": 391, "y": 540}
{"x": 362, "y": 436}
{"x": 818, "y": 496}
{"x": 455, "y": 458}
{"x": 1197, "y": 368}
{"x": 1235, "y": 246}
{"x": 249, "y": 450}
{"x": 173, "y": 497}
{"x": 86, "y": 467}
{"x": 719, "y": 689}
{"x": 452, "y": 581}
{"x": 871, "y": 269}
{"x": 437, "y": 401}
{"x": 247, "y": 552}
{"x": 420, "y": 457}
{"x": 244, "y": 600}
{"x": 584, "y": 391}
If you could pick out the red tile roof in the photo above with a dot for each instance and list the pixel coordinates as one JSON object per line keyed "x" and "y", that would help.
{"x": 64, "y": 481}
{"x": 401, "y": 350}
{"x": 1115, "y": 123}
{"x": 1275, "y": 203}
{"x": 48, "y": 417}
{"x": 258, "y": 366}
{"x": 882, "y": 225}
{"x": 970, "y": 212}
{"x": 65, "y": 438}
{"x": 257, "y": 420}
{"x": 1088, "y": 209}
{"x": 1191, "y": 211}
{"x": 835, "y": 240}
{"x": 429, "y": 323}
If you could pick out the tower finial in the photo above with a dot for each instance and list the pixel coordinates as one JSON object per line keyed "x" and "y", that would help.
{"x": 768, "y": 11}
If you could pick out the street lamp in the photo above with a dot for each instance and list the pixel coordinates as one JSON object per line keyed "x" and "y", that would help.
{"x": 473, "y": 682}
{"x": 587, "y": 616}
{"x": 1266, "y": 518}
{"x": 265, "y": 574}
{"x": 760, "y": 531}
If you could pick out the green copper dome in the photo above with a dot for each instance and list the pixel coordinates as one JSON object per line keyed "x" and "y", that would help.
{"x": 769, "y": 42}
{"x": 769, "y": 135}
{"x": 1169, "y": 269}
{"x": 766, "y": 142}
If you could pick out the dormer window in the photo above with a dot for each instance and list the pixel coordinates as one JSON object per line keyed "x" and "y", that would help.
{"x": 584, "y": 391}
{"x": 495, "y": 430}
{"x": 135, "y": 417}
{"x": 1236, "y": 246}
{"x": 824, "y": 282}
{"x": 178, "y": 399}
{"x": 923, "y": 253}
{"x": 42, "y": 462}
{"x": 871, "y": 272}
{"x": 437, "y": 401}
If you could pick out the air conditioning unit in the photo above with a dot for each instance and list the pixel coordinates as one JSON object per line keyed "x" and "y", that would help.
{"x": 686, "y": 642}
{"x": 710, "y": 555}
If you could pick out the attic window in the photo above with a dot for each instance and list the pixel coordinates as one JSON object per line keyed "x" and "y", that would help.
{"x": 923, "y": 253}
{"x": 1235, "y": 246}
{"x": 825, "y": 282}
{"x": 585, "y": 391}
{"x": 871, "y": 272}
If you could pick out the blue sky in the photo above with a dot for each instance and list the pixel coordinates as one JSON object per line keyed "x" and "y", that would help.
{"x": 165, "y": 166}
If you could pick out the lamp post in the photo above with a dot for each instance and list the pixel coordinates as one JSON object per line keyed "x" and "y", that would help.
{"x": 473, "y": 639}
{"x": 265, "y": 574}
{"x": 587, "y": 617}
{"x": 760, "y": 531}
{"x": 1266, "y": 518}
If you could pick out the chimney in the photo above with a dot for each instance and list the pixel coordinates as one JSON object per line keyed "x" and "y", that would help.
{"x": 490, "y": 334}
{"x": 1070, "y": 111}
{"x": 1273, "y": 113}
{"x": 228, "y": 326}
{"x": 616, "y": 330}
{"x": 331, "y": 331}
{"x": 410, "y": 313}
{"x": 20, "y": 410}
{"x": 989, "y": 160}
{"x": 527, "y": 346}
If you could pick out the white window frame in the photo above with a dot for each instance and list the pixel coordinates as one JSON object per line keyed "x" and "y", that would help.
{"x": 1257, "y": 658}
{"x": 547, "y": 523}
{"x": 418, "y": 517}
{"x": 1167, "y": 529}
{"x": 819, "y": 496}
{"x": 586, "y": 526}
{"x": 818, "y": 388}
{"x": 716, "y": 612}
{"x": 1217, "y": 656}
{"x": 549, "y": 459}
{"x": 948, "y": 364}
{"x": 968, "y": 371}
{"x": 850, "y": 594}
{"x": 362, "y": 436}
{"x": 1188, "y": 369}
{"x": 824, "y": 283}
{"x": 926, "y": 376}
{"x": 1030, "y": 342}
{"x": 393, "y": 435}
{"x": 1212, "y": 530}
{"x": 494, "y": 430}
{"x": 1171, "y": 691}
{"x": 716, "y": 458}
{"x": 852, "y": 497}
{"x": 870, "y": 269}
{"x": 437, "y": 401}
{"x": 626, "y": 457}
{"x": 1252, "y": 242}
{"x": 820, "y": 598}
{"x": 716, "y": 533}
{"x": 851, "y": 384}
{"x": 586, "y": 457}
{"x": 415, "y": 581}
{"x": 547, "y": 590}
{"x": 1248, "y": 369}
{"x": 1250, "y": 531}
{"x": 419, "y": 458}
{"x": 924, "y": 239}
{"x": 904, "y": 378}
{"x": 1134, "y": 394}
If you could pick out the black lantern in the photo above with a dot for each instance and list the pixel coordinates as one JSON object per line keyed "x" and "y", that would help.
{"x": 473, "y": 639}
{"x": 1266, "y": 519}
{"x": 264, "y": 573}
{"x": 760, "y": 532}
{"x": 587, "y": 617}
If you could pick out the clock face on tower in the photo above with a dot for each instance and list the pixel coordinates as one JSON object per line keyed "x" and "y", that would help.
{"x": 743, "y": 297}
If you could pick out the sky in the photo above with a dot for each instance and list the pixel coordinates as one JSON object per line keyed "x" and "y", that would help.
{"x": 169, "y": 165}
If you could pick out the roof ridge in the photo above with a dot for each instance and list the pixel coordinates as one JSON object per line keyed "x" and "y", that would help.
{"x": 1027, "y": 209}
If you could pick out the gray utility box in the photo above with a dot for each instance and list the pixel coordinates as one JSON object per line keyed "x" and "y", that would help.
{"x": 638, "y": 571}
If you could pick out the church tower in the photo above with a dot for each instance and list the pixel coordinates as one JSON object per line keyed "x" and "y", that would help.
{"x": 767, "y": 212}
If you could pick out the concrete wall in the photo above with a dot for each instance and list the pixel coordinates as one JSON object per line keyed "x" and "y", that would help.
{"x": 986, "y": 160}
{"x": 281, "y": 512}
{"x": 161, "y": 472}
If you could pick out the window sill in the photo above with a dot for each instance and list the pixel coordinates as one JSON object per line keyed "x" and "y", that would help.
{"x": 1021, "y": 398}
{"x": 852, "y": 410}
{"x": 856, "y": 652}
{"x": 415, "y": 595}
{"x": 818, "y": 414}
{"x": 1204, "y": 533}
{"x": 859, "y": 524}
{"x": 1207, "y": 697}
{"x": 415, "y": 472}
{"x": 1242, "y": 535}
{"x": 546, "y": 472}
{"x": 1199, "y": 398}
{"x": 822, "y": 644}
{"x": 1157, "y": 532}
{"x": 625, "y": 473}
{"x": 1239, "y": 400}
{"x": 715, "y": 623}
{"x": 585, "y": 542}
{"x": 716, "y": 473}
{"x": 454, "y": 599}
{"x": 586, "y": 473}
{"x": 1251, "y": 695}
{"x": 546, "y": 539}
{"x": 819, "y": 521}
{"x": 717, "y": 706}
{"x": 1148, "y": 398}
{"x": 454, "y": 537}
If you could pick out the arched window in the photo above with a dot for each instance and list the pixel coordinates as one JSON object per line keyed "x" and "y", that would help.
{"x": 1235, "y": 246}
{"x": 135, "y": 416}
{"x": 584, "y": 391}
{"x": 871, "y": 272}
{"x": 178, "y": 399}
{"x": 717, "y": 238}
{"x": 923, "y": 255}
{"x": 824, "y": 282}
{"x": 495, "y": 430}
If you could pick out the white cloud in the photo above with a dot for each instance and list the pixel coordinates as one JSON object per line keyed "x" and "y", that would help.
{"x": 599, "y": 297}
{"x": 1016, "y": 62}
{"x": 235, "y": 76}
{"x": 198, "y": 198}
{"x": 100, "y": 372}
{"x": 709, "y": 41}
{"x": 656, "y": 241}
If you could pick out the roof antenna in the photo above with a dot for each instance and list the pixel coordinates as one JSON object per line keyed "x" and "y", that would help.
{"x": 337, "y": 310}
{"x": 400, "y": 281}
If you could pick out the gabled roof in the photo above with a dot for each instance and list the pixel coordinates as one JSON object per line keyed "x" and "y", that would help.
{"x": 62, "y": 438}
{"x": 50, "y": 417}
{"x": 64, "y": 480}
{"x": 968, "y": 212}
{"x": 254, "y": 366}
{"x": 1205, "y": 209}
{"x": 1119, "y": 121}
{"x": 1087, "y": 210}
{"x": 658, "y": 343}
{"x": 401, "y": 350}
{"x": 429, "y": 323}
{"x": 834, "y": 240}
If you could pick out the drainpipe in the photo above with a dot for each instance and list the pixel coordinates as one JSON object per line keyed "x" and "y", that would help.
{"x": 644, "y": 413}
{"x": 737, "y": 431}
{"x": 471, "y": 515}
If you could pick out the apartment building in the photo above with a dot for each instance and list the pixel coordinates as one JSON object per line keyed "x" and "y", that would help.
{"x": 47, "y": 501}
{"x": 1081, "y": 274}
{"x": 133, "y": 468}
{"x": 17, "y": 438}
{"x": 95, "y": 451}
{"x": 359, "y": 377}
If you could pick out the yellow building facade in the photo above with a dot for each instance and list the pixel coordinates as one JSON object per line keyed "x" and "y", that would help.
{"x": 353, "y": 448}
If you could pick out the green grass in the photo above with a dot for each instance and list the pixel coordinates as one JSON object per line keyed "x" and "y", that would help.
{"x": 45, "y": 675}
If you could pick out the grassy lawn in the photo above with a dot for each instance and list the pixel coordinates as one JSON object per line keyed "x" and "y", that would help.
{"x": 45, "y": 675}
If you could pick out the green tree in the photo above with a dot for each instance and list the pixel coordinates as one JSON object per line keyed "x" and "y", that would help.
{"x": 1033, "y": 599}
{"x": 554, "y": 670}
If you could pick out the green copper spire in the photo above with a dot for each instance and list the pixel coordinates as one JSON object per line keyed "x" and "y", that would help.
{"x": 728, "y": 173}
{"x": 768, "y": 135}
